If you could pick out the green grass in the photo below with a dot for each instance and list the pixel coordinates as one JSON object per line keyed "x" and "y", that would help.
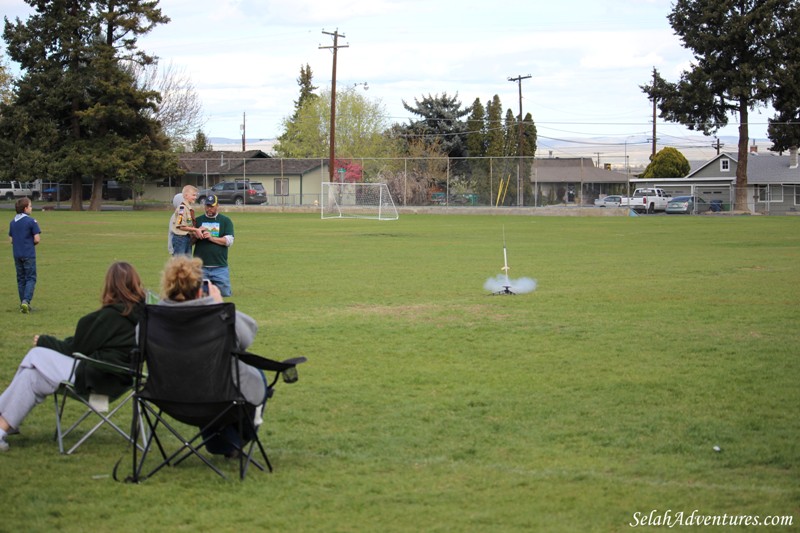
{"x": 428, "y": 405}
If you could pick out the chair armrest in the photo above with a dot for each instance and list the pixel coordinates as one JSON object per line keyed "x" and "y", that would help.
{"x": 268, "y": 364}
{"x": 105, "y": 366}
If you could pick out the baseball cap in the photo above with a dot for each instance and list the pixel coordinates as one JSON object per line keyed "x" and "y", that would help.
{"x": 211, "y": 199}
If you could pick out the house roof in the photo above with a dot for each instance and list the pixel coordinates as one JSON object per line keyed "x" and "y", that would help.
{"x": 224, "y": 154}
{"x": 761, "y": 169}
{"x": 573, "y": 170}
{"x": 228, "y": 164}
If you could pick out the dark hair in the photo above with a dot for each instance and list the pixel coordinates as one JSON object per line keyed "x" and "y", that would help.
{"x": 21, "y": 204}
{"x": 182, "y": 278}
{"x": 123, "y": 286}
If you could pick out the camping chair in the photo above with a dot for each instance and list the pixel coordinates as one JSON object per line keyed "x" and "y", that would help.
{"x": 96, "y": 405}
{"x": 192, "y": 378}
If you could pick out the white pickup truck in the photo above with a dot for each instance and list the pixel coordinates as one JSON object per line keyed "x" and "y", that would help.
{"x": 11, "y": 190}
{"x": 649, "y": 200}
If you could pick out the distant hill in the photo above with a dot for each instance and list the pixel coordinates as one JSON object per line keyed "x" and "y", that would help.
{"x": 222, "y": 143}
{"x": 605, "y": 149}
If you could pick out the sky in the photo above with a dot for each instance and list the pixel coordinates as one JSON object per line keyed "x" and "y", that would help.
{"x": 586, "y": 60}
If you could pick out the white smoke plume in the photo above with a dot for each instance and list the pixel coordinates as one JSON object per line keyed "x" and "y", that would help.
{"x": 517, "y": 286}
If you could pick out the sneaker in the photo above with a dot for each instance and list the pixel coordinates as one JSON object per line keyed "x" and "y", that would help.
{"x": 3, "y": 445}
{"x": 24, "y": 307}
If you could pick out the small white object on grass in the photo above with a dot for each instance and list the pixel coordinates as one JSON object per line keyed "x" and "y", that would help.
{"x": 717, "y": 449}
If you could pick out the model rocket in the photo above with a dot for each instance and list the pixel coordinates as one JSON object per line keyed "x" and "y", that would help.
{"x": 506, "y": 268}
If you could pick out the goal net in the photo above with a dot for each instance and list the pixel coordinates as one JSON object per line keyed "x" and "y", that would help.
{"x": 357, "y": 200}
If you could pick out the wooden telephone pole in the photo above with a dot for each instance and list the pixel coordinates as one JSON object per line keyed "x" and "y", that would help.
{"x": 335, "y": 48}
{"x": 655, "y": 106}
{"x": 519, "y": 79}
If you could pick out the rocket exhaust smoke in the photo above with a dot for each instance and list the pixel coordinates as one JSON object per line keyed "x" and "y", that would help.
{"x": 502, "y": 284}
{"x": 517, "y": 286}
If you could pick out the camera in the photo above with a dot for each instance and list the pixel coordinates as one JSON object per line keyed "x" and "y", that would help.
{"x": 205, "y": 286}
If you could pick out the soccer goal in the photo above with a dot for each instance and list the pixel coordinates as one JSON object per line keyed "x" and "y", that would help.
{"x": 357, "y": 200}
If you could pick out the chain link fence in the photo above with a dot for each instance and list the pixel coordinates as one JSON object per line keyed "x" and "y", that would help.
{"x": 474, "y": 182}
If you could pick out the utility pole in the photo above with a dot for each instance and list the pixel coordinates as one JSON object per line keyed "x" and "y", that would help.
{"x": 519, "y": 79}
{"x": 243, "y": 130}
{"x": 335, "y": 48}
{"x": 717, "y": 145}
{"x": 655, "y": 105}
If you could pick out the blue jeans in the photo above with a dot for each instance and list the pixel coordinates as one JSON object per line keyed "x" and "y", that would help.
{"x": 181, "y": 244}
{"x": 26, "y": 277}
{"x": 219, "y": 276}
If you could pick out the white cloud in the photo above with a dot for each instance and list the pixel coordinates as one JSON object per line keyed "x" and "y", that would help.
{"x": 586, "y": 58}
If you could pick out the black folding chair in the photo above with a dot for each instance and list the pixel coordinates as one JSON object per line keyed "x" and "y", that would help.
{"x": 99, "y": 408}
{"x": 192, "y": 378}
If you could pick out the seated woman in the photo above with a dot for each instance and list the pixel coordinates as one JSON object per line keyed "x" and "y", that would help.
{"x": 182, "y": 285}
{"x": 108, "y": 334}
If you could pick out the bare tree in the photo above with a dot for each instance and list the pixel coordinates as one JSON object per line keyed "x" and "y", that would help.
{"x": 6, "y": 81}
{"x": 180, "y": 111}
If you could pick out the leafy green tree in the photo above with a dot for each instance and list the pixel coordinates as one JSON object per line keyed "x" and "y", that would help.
{"x": 668, "y": 163}
{"x": 77, "y": 111}
{"x": 360, "y": 127}
{"x": 738, "y": 47}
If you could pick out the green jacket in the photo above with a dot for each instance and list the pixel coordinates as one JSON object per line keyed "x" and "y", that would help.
{"x": 105, "y": 335}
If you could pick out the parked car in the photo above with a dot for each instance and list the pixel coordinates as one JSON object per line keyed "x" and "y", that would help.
{"x": 609, "y": 201}
{"x": 115, "y": 190}
{"x": 236, "y": 192}
{"x": 687, "y": 205}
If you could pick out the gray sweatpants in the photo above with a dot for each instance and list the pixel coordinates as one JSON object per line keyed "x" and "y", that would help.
{"x": 38, "y": 376}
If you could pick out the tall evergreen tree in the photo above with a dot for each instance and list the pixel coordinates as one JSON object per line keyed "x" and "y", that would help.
{"x": 495, "y": 147}
{"x": 293, "y": 134}
{"x": 529, "y": 145}
{"x": 77, "y": 111}
{"x": 201, "y": 143}
{"x": 512, "y": 133}
{"x": 476, "y": 130}
{"x": 529, "y": 136}
{"x": 784, "y": 127}
{"x": 307, "y": 88}
{"x": 478, "y": 166}
{"x": 738, "y": 48}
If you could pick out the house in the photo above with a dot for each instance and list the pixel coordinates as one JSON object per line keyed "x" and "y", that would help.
{"x": 287, "y": 181}
{"x": 573, "y": 180}
{"x": 773, "y": 181}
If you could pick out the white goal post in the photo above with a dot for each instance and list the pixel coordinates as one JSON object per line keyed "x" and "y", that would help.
{"x": 357, "y": 200}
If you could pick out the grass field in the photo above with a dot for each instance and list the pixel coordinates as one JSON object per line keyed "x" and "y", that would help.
{"x": 429, "y": 405}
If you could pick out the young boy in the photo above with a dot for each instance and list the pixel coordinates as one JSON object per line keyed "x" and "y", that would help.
{"x": 24, "y": 233}
{"x": 182, "y": 223}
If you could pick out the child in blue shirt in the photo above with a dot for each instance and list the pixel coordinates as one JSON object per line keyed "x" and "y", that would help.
{"x": 24, "y": 233}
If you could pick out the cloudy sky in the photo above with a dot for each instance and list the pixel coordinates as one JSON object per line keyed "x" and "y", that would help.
{"x": 586, "y": 59}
